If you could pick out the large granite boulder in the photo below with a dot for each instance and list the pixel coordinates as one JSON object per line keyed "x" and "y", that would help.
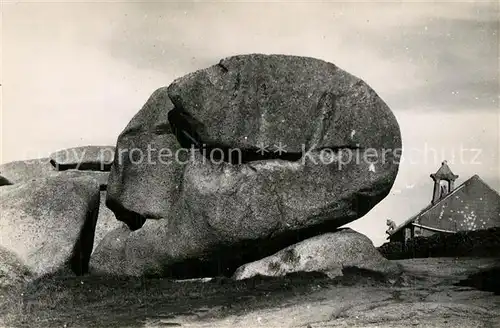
{"x": 94, "y": 158}
{"x": 328, "y": 253}
{"x": 341, "y": 159}
{"x": 49, "y": 223}
{"x": 39, "y": 168}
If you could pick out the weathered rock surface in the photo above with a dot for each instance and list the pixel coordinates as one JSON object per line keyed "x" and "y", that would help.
{"x": 249, "y": 100}
{"x": 328, "y": 253}
{"x": 142, "y": 185}
{"x": 49, "y": 223}
{"x": 25, "y": 171}
{"x": 4, "y": 182}
{"x": 95, "y": 158}
{"x": 29, "y": 170}
{"x": 109, "y": 256}
{"x": 341, "y": 139}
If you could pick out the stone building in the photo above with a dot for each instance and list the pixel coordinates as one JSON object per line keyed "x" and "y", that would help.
{"x": 471, "y": 206}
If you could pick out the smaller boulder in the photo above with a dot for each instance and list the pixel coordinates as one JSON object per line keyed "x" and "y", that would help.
{"x": 328, "y": 253}
{"x": 109, "y": 256}
{"x": 93, "y": 158}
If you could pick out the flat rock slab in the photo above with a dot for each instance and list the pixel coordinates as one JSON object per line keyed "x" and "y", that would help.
{"x": 94, "y": 158}
{"x": 39, "y": 168}
{"x": 328, "y": 253}
{"x": 49, "y": 223}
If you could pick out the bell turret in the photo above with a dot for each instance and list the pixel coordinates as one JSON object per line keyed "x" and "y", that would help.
{"x": 444, "y": 174}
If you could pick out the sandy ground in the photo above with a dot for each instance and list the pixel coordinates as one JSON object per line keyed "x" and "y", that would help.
{"x": 428, "y": 300}
{"x": 425, "y": 297}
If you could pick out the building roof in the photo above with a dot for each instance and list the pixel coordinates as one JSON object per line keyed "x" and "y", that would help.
{"x": 474, "y": 178}
{"x": 444, "y": 173}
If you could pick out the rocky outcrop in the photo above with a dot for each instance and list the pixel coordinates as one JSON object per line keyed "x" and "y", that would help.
{"x": 29, "y": 170}
{"x": 49, "y": 223}
{"x": 94, "y": 158}
{"x": 342, "y": 143}
{"x": 328, "y": 253}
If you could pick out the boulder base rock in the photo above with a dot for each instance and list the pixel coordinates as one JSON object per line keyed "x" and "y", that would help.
{"x": 340, "y": 160}
{"x": 95, "y": 158}
{"x": 49, "y": 223}
{"x": 328, "y": 253}
{"x": 109, "y": 257}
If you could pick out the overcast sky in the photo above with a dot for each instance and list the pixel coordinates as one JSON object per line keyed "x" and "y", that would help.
{"x": 75, "y": 73}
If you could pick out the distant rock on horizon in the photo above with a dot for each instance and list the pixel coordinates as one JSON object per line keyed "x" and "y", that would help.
{"x": 92, "y": 158}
